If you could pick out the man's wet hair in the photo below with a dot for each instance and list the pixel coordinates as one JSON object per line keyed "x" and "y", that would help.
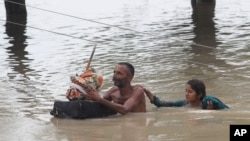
{"x": 129, "y": 66}
{"x": 198, "y": 86}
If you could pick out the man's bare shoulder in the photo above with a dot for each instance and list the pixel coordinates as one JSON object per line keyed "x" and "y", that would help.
{"x": 138, "y": 89}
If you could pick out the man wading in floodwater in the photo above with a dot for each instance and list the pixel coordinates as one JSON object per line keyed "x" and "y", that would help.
{"x": 122, "y": 97}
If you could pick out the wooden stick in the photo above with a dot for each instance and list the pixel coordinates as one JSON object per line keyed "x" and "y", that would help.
{"x": 90, "y": 59}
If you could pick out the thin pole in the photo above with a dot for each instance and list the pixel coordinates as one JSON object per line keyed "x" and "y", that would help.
{"x": 90, "y": 59}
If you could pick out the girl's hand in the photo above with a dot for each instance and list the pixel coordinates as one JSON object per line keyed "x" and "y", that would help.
{"x": 210, "y": 105}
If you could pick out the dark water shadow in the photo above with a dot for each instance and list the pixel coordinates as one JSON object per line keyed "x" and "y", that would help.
{"x": 205, "y": 43}
{"x": 204, "y": 25}
{"x": 17, "y": 58}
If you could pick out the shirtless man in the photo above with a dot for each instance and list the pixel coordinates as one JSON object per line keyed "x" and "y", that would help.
{"x": 122, "y": 97}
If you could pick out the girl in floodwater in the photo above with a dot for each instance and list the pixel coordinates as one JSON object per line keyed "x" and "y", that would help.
{"x": 195, "y": 96}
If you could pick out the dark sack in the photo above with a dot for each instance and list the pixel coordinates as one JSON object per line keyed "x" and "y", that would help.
{"x": 80, "y": 109}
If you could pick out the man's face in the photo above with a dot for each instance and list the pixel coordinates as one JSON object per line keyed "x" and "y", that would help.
{"x": 120, "y": 76}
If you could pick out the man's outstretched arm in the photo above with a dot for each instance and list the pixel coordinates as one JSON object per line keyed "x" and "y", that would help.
{"x": 122, "y": 109}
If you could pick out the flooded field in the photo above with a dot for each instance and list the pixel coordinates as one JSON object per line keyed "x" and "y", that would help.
{"x": 168, "y": 42}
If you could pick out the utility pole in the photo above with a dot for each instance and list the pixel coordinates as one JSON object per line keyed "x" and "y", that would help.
{"x": 15, "y": 8}
{"x": 16, "y": 19}
{"x": 16, "y": 13}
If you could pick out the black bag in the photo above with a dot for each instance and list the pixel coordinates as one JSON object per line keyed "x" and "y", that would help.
{"x": 80, "y": 109}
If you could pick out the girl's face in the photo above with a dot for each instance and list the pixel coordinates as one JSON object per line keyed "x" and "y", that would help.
{"x": 191, "y": 95}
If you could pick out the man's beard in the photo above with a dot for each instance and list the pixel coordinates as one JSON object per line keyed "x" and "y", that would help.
{"x": 119, "y": 83}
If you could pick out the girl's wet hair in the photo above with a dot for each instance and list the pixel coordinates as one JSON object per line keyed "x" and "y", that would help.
{"x": 198, "y": 86}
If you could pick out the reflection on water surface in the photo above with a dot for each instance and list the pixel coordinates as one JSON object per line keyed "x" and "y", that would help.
{"x": 170, "y": 42}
